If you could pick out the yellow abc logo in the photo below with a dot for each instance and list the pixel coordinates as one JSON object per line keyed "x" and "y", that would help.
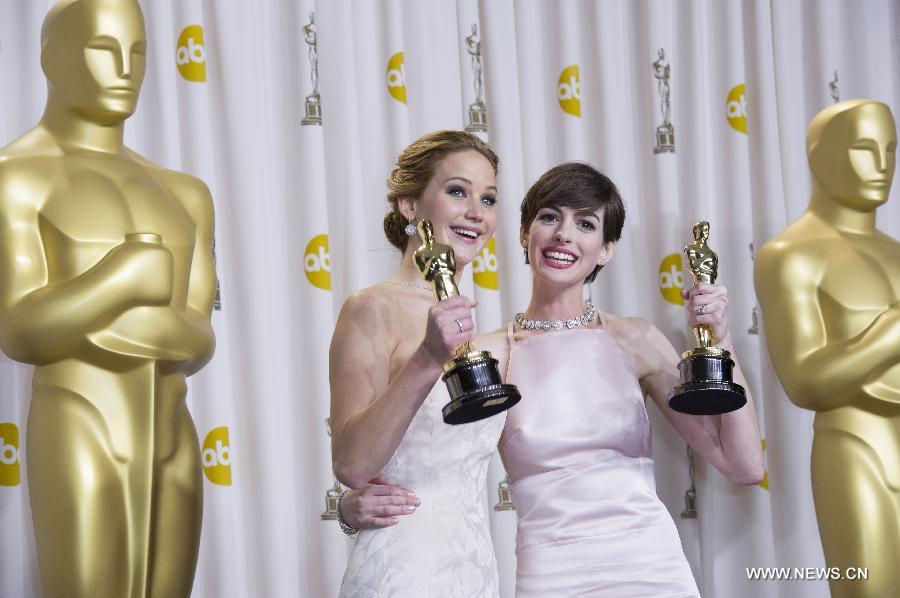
{"x": 671, "y": 278}
{"x": 317, "y": 262}
{"x": 9, "y": 454}
{"x": 484, "y": 267}
{"x": 396, "y": 78}
{"x": 736, "y": 108}
{"x": 765, "y": 481}
{"x": 216, "y": 456}
{"x": 190, "y": 54}
{"x": 568, "y": 90}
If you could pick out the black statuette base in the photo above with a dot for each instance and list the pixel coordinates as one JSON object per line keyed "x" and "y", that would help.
{"x": 707, "y": 388}
{"x": 476, "y": 390}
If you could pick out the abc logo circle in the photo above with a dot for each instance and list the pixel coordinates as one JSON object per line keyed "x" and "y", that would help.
{"x": 396, "y": 78}
{"x": 9, "y": 454}
{"x": 671, "y": 279}
{"x": 317, "y": 262}
{"x": 568, "y": 90}
{"x": 484, "y": 267}
{"x": 736, "y": 108}
{"x": 216, "y": 456}
{"x": 190, "y": 54}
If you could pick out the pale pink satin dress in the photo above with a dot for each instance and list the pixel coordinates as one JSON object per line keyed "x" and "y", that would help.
{"x": 577, "y": 451}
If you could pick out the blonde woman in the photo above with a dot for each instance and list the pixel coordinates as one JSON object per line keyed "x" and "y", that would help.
{"x": 386, "y": 394}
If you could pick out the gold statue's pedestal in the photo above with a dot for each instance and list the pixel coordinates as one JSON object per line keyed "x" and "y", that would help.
{"x": 706, "y": 387}
{"x": 313, "y": 111}
{"x": 476, "y": 389}
{"x": 332, "y": 496}
{"x": 477, "y": 118}
{"x": 665, "y": 139}
{"x": 505, "y": 503}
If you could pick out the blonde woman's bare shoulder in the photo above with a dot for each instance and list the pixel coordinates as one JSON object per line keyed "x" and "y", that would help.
{"x": 368, "y": 302}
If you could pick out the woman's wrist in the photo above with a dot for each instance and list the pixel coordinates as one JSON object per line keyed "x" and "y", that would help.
{"x": 425, "y": 362}
{"x": 345, "y": 527}
{"x": 726, "y": 342}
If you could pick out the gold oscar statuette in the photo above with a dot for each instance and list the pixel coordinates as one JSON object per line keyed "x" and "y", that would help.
{"x": 333, "y": 494}
{"x": 706, "y": 386}
{"x": 829, "y": 290}
{"x": 313, "y": 100}
{"x": 106, "y": 286}
{"x": 665, "y": 132}
{"x": 690, "y": 495}
{"x": 477, "y": 111}
{"x": 476, "y": 389}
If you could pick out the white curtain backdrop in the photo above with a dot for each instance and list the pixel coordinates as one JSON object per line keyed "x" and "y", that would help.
{"x": 299, "y": 211}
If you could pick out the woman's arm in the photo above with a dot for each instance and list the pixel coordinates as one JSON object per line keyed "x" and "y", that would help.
{"x": 370, "y": 413}
{"x": 730, "y": 442}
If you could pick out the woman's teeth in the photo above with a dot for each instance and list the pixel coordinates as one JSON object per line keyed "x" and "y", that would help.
{"x": 559, "y": 256}
{"x": 470, "y": 234}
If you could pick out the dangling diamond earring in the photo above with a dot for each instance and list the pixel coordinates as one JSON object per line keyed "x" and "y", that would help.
{"x": 525, "y": 250}
{"x": 410, "y": 229}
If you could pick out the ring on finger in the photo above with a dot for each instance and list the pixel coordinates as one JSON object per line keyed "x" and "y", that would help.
{"x": 459, "y": 325}
{"x": 701, "y": 309}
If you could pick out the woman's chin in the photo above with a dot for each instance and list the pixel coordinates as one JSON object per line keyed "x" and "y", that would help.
{"x": 465, "y": 253}
{"x": 559, "y": 276}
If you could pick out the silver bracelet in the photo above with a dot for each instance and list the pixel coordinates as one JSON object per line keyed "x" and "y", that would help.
{"x": 345, "y": 527}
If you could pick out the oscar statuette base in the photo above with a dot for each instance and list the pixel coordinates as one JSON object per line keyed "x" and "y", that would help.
{"x": 707, "y": 388}
{"x": 477, "y": 118}
{"x": 313, "y": 111}
{"x": 475, "y": 388}
{"x": 665, "y": 139}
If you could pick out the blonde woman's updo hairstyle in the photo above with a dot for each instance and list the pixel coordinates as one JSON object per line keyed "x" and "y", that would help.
{"x": 415, "y": 167}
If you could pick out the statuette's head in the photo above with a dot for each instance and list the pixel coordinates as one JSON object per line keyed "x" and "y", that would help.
{"x": 426, "y": 231}
{"x": 701, "y": 231}
{"x": 852, "y": 152}
{"x": 93, "y": 53}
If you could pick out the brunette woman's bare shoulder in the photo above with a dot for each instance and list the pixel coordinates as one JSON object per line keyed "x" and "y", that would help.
{"x": 497, "y": 343}
{"x": 493, "y": 341}
{"x": 627, "y": 329}
{"x": 641, "y": 340}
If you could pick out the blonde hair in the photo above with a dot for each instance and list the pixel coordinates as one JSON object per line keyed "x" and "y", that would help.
{"x": 415, "y": 167}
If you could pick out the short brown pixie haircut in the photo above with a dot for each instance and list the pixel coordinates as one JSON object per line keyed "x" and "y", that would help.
{"x": 578, "y": 186}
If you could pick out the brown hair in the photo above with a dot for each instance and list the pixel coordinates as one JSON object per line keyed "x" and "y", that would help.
{"x": 578, "y": 186}
{"x": 415, "y": 167}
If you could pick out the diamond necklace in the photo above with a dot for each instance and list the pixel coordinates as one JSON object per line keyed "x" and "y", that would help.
{"x": 581, "y": 320}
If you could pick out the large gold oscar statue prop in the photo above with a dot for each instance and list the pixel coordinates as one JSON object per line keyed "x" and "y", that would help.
{"x": 829, "y": 289}
{"x": 106, "y": 285}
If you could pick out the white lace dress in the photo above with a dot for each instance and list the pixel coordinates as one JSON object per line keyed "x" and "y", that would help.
{"x": 444, "y": 549}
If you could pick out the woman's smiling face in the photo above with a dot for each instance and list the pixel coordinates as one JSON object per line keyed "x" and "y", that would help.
{"x": 565, "y": 244}
{"x": 460, "y": 201}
